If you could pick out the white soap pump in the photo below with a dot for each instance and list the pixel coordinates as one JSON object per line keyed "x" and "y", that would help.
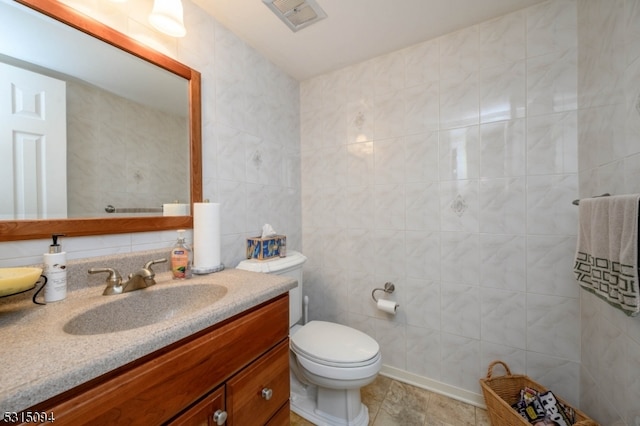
{"x": 55, "y": 269}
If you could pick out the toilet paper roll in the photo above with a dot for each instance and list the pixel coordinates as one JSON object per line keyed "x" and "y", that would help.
{"x": 388, "y": 306}
{"x": 206, "y": 235}
{"x": 175, "y": 209}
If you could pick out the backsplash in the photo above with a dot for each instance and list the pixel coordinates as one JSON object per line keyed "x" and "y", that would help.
{"x": 78, "y": 277}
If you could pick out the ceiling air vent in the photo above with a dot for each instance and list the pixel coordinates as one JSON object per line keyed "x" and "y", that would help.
{"x": 297, "y": 14}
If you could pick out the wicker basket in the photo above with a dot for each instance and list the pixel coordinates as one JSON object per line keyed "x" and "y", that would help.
{"x": 503, "y": 391}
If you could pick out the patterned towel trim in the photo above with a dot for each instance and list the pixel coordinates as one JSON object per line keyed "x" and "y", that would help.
{"x": 611, "y": 281}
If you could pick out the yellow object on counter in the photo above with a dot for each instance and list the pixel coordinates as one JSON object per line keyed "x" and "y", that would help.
{"x": 15, "y": 280}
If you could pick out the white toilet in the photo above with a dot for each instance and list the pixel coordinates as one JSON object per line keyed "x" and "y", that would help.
{"x": 329, "y": 362}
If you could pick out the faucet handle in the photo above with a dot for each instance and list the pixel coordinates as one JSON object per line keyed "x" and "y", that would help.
{"x": 114, "y": 276}
{"x": 153, "y": 262}
{"x": 114, "y": 280}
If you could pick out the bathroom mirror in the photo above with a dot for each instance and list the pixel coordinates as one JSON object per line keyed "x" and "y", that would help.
{"x": 142, "y": 158}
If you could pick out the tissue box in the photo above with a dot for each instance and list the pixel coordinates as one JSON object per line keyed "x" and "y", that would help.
{"x": 266, "y": 248}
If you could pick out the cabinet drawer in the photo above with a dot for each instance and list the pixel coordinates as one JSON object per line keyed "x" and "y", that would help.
{"x": 247, "y": 403}
{"x": 202, "y": 413}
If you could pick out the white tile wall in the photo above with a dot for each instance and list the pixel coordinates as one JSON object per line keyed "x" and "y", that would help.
{"x": 607, "y": 158}
{"x": 461, "y": 165}
{"x": 250, "y": 137}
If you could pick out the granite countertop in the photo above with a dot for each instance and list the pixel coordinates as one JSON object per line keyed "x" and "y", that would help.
{"x": 40, "y": 360}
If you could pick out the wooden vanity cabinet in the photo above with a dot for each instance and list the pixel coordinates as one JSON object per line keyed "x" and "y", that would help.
{"x": 240, "y": 366}
{"x": 253, "y": 396}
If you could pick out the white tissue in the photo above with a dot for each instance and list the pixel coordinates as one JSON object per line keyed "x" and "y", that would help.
{"x": 388, "y": 306}
{"x": 268, "y": 231}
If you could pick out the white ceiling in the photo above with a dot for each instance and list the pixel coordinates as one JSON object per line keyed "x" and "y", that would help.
{"x": 355, "y": 30}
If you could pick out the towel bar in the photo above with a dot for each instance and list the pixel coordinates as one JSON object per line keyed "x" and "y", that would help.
{"x": 577, "y": 202}
{"x": 112, "y": 209}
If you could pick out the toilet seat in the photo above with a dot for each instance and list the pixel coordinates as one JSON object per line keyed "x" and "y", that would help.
{"x": 334, "y": 345}
{"x": 343, "y": 375}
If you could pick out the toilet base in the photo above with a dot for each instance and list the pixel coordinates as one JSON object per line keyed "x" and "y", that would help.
{"x": 319, "y": 406}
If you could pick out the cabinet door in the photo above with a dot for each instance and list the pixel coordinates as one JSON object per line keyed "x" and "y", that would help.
{"x": 256, "y": 393}
{"x": 210, "y": 411}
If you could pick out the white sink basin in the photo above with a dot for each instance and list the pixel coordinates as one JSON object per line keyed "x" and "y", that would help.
{"x": 144, "y": 307}
{"x": 15, "y": 280}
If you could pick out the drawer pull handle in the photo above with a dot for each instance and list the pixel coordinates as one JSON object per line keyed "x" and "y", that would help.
{"x": 267, "y": 393}
{"x": 220, "y": 417}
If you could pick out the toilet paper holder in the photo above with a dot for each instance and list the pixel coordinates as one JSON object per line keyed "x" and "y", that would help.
{"x": 388, "y": 288}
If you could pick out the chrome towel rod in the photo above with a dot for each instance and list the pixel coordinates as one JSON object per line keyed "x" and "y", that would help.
{"x": 112, "y": 209}
{"x": 577, "y": 202}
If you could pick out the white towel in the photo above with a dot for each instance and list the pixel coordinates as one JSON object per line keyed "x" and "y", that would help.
{"x": 607, "y": 253}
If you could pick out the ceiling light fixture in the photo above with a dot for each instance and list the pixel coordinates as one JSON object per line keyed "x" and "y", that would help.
{"x": 297, "y": 14}
{"x": 167, "y": 17}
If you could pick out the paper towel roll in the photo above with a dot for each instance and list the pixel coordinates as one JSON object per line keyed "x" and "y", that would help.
{"x": 175, "y": 209}
{"x": 206, "y": 235}
{"x": 388, "y": 306}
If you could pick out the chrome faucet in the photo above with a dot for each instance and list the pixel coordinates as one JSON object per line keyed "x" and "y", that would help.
{"x": 142, "y": 278}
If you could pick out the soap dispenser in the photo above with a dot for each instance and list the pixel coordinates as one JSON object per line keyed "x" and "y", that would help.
{"x": 55, "y": 269}
{"x": 181, "y": 258}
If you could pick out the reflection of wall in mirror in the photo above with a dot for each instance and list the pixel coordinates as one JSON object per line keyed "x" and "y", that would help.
{"x": 122, "y": 153}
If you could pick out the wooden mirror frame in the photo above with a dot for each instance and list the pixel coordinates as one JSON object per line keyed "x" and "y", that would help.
{"x": 43, "y": 228}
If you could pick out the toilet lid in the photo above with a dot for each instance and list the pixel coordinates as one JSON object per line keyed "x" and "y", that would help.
{"x": 334, "y": 343}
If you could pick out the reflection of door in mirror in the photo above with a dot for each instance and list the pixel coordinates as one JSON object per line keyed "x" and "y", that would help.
{"x": 33, "y": 145}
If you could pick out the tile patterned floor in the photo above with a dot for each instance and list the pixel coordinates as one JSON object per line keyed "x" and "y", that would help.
{"x": 393, "y": 403}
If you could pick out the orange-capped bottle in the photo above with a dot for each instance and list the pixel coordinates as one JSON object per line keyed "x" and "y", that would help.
{"x": 181, "y": 258}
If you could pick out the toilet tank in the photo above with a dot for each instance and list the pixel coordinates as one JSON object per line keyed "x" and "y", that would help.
{"x": 290, "y": 266}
